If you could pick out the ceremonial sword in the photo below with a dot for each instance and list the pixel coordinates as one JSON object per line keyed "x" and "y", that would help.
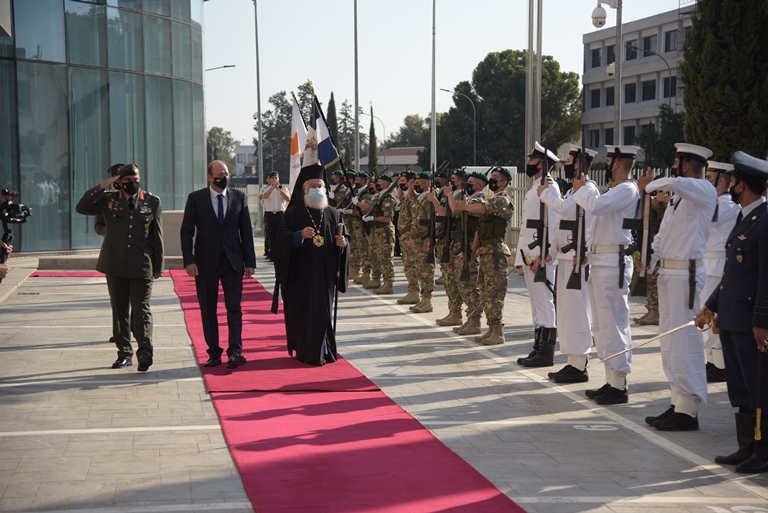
{"x": 709, "y": 324}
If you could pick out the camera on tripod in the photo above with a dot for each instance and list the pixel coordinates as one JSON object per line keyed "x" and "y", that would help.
{"x": 11, "y": 213}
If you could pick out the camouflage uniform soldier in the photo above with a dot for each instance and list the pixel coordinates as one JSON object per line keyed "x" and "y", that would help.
{"x": 339, "y": 189}
{"x": 407, "y": 246}
{"x": 492, "y": 253}
{"x": 425, "y": 271}
{"x": 469, "y": 288}
{"x": 366, "y": 200}
{"x": 651, "y": 317}
{"x": 450, "y": 276}
{"x": 363, "y": 260}
{"x": 441, "y": 180}
{"x": 344, "y": 206}
{"x": 383, "y": 233}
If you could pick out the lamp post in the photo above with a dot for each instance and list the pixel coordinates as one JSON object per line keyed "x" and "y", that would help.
{"x": 221, "y": 67}
{"x": 384, "y": 157}
{"x": 474, "y": 124}
{"x": 598, "y": 20}
{"x": 669, "y": 70}
{"x": 260, "y": 150}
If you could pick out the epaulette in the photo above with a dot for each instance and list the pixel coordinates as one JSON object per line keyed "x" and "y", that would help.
{"x": 151, "y": 194}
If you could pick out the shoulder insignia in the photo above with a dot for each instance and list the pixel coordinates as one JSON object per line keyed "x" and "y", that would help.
{"x": 741, "y": 237}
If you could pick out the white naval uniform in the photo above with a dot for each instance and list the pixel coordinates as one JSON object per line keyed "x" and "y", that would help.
{"x": 574, "y": 316}
{"x": 682, "y": 237}
{"x": 610, "y": 306}
{"x": 714, "y": 262}
{"x": 542, "y": 302}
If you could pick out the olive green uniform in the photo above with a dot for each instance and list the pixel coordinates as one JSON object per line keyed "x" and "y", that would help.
{"x": 424, "y": 271}
{"x": 131, "y": 253}
{"x": 469, "y": 289}
{"x": 410, "y": 252}
{"x": 383, "y": 236}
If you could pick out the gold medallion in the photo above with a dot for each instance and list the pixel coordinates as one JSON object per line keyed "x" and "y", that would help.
{"x": 739, "y": 258}
{"x": 318, "y": 240}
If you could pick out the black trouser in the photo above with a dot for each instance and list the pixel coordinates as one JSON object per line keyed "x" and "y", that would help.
{"x": 207, "y": 286}
{"x": 273, "y": 224}
{"x": 130, "y": 300}
{"x": 741, "y": 355}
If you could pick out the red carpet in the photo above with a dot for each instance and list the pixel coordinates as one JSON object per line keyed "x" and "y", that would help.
{"x": 269, "y": 368}
{"x": 341, "y": 452}
{"x": 71, "y": 274}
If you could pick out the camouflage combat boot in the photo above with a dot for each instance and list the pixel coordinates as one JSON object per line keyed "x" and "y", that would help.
{"x": 411, "y": 298}
{"x": 452, "y": 319}
{"x": 471, "y": 327}
{"x": 386, "y": 288}
{"x": 496, "y": 335}
{"x": 363, "y": 278}
{"x": 425, "y": 306}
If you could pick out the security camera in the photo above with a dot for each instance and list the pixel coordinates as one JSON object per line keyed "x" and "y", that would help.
{"x": 598, "y": 17}
{"x": 610, "y": 69}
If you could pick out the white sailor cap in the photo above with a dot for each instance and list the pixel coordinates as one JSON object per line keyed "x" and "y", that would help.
{"x": 623, "y": 152}
{"x": 692, "y": 151}
{"x": 540, "y": 152}
{"x": 576, "y": 151}
{"x": 720, "y": 167}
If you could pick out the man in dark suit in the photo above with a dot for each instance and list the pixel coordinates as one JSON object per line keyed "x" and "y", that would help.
{"x": 217, "y": 218}
{"x": 741, "y": 303}
{"x": 131, "y": 256}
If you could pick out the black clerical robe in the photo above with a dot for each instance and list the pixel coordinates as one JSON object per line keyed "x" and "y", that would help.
{"x": 306, "y": 274}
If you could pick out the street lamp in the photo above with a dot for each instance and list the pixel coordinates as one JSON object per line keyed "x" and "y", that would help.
{"x": 598, "y": 20}
{"x": 474, "y": 124}
{"x": 260, "y": 157}
{"x": 669, "y": 70}
{"x": 384, "y": 157}
{"x": 221, "y": 67}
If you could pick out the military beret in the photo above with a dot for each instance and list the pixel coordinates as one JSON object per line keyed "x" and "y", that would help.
{"x": 441, "y": 174}
{"x": 749, "y": 165}
{"x": 113, "y": 170}
{"x": 410, "y": 175}
{"x": 271, "y": 174}
{"x": 503, "y": 171}
{"x": 459, "y": 172}
{"x": 423, "y": 175}
{"x": 128, "y": 170}
{"x": 351, "y": 173}
{"x": 387, "y": 178}
{"x": 338, "y": 172}
{"x": 362, "y": 174}
{"x": 479, "y": 176}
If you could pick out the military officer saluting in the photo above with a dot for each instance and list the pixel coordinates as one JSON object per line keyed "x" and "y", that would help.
{"x": 131, "y": 257}
{"x": 741, "y": 304}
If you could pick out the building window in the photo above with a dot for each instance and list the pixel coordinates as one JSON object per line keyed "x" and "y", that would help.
{"x": 157, "y": 45}
{"x": 670, "y": 41}
{"x": 596, "y": 58}
{"x": 124, "y": 35}
{"x": 182, "y": 50}
{"x": 594, "y": 138}
{"x": 609, "y": 136}
{"x": 609, "y": 96}
{"x": 649, "y": 90}
{"x": 649, "y": 44}
{"x": 86, "y": 34}
{"x": 670, "y": 87}
{"x": 630, "y": 91}
{"x": 629, "y": 135}
{"x": 610, "y": 54}
{"x": 595, "y": 98}
{"x": 630, "y": 53}
{"x": 39, "y": 30}
{"x": 240, "y": 158}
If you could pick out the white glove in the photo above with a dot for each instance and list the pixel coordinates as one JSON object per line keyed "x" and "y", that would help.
{"x": 355, "y": 201}
{"x": 368, "y": 219}
{"x": 347, "y": 211}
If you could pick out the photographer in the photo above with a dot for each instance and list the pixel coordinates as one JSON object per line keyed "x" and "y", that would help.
{"x": 274, "y": 204}
{"x": 7, "y": 250}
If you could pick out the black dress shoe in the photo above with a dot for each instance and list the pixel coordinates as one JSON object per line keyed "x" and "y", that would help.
{"x": 592, "y": 394}
{"x": 677, "y": 422}
{"x": 715, "y": 374}
{"x": 569, "y": 374}
{"x": 612, "y": 396}
{"x": 212, "y": 362}
{"x": 650, "y": 420}
{"x": 145, "y": 362}
{"x": 122, "y": 362}
{"x": 236, "y": 360}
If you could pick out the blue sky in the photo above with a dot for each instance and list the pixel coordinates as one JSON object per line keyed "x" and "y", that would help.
{"x": 302, "y": 39}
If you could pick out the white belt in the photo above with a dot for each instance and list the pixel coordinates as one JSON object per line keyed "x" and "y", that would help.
{"x": 599, "y": 249}
{"x": 712, "y": 255}
{"x": 679, "y": 264}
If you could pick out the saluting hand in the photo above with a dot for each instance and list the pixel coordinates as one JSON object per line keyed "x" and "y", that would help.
{"x": 109, "y": 181}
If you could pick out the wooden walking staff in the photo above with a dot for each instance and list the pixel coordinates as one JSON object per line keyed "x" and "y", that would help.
{"x": 340, "y": 232}
{"x": 759, "y": 410}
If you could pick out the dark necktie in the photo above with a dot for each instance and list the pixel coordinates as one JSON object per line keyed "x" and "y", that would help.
{"x": 739, "y": 218}
{"x": 220, "y": 197}
{"x": 130, "y": 203}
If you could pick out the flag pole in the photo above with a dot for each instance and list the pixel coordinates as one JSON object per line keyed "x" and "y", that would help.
{"x": 433, "y": 124}
{"x": 357, "y": 104}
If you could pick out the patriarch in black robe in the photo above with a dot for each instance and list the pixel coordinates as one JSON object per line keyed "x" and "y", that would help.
{"x": 311, "y": 261}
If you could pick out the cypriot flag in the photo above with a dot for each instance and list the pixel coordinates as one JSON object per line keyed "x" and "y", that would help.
{"x": 298, "y": 142}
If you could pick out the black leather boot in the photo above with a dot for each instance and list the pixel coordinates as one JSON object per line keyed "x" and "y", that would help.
{"x": 745, "y": 437}
{"x": 536, "y": 341}
{"x": 545, "y": 356}
{"x": 758, "y": 461}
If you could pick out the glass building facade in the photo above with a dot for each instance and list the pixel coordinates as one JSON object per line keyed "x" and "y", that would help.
{"x": 85, "y": 84}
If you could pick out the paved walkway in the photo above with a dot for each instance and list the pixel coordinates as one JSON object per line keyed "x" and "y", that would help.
{"x": 78, "y": 436}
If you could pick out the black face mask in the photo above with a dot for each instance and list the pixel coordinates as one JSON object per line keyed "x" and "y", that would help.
{"x": 570, "y": 170}
{"x": 131, "y": 188}
{"x": 378, "y": 187}
{"x": 609, "y": 171}
{"x": 417, "y": 188}
{"x": 403, "y": 186}
{"x": 454, "y": 186}
{"x": 439, "y": 184}
{"x": 531, "y": 170}
{"x": 468, "y": 188}
{"x": 493, "y": 184}
{"x": 221, "y": 182}
{"x": 734, "y": 195}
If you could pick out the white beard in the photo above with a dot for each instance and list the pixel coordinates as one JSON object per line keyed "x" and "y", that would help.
{"x": 319, "y": 204}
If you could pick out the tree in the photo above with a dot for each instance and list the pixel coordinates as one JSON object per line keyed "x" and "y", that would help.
{"x": 333, "y": 125}
{"x": 663, "y": 142}
{"x": 373, "y": 153}
{"x": 221, "y": 146}
{"x": 498, "y": 90}
{"x": 725, "y": 77}
{"x": 276, "y": 124}
{"x": 411, "y": 133}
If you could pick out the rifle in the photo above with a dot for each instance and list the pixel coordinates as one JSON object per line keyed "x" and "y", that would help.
{"x": 527, "y": 261}
{"x": 578, "y": 239}
{"x": 465, "y": 236}
{"x": 431, "y": 221}
{"x": 382, "y": 197}
{"x": 642, "y": 230}
{"x": 542, "y": 228}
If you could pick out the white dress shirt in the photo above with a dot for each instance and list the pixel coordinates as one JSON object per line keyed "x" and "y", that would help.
{"x": 215, "y": 201}
{"x": 275, "y": 201}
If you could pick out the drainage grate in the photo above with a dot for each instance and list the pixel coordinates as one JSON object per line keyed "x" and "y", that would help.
{"x": 28, "y": 294}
